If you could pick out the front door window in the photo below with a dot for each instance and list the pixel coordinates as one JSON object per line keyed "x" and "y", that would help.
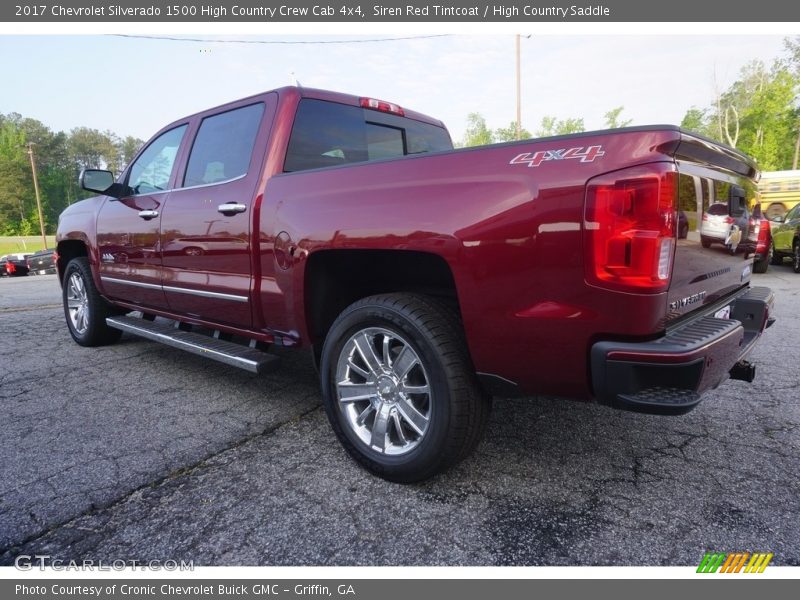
{"x": 153, "y": 168}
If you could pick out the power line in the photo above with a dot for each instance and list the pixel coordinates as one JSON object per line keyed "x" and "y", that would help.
{"x": 278, "y": 42}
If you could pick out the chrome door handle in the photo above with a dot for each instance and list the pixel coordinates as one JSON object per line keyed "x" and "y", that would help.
{"x": 231, "y": 208}
{"x": 148, "y": 214}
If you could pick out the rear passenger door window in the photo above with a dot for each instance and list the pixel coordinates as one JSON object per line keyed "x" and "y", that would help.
{"x": 223, "y": 146}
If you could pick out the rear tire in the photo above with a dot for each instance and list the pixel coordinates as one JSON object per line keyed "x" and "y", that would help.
{"x": 796, "y": 256}
{"x": 776, "y": 259}
{"x": 379, "y": 350}
{"x": 84, "y": 307}
{"x": 705, "y": 242}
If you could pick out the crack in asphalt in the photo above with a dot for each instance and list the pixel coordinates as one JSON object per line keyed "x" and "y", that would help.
{"x": 5, "y": 552}
{"x": 35, "y": 307}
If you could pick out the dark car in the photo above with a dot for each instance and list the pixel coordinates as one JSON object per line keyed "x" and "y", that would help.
{"x": 683, "y": 225}
{"x": 43, "y": 262}
{"x": 11, "y": 266}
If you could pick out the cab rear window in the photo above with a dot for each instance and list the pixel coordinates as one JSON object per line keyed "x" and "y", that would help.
{"x": 718, "y": 209}
{"x": 327, "y": 134}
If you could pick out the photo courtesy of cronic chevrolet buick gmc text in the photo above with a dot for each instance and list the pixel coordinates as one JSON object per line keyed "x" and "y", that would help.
{"x": 425, "y": 279}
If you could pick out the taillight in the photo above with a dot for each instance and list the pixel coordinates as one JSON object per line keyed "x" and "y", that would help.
{"x": 755, "y": 229}
{"x": 764, "y": 230}
{"x": 630, "y": 228}
{"x": 382, "y": 106}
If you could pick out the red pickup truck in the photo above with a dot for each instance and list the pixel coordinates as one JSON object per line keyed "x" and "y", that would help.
{"x": 424, "y": 279}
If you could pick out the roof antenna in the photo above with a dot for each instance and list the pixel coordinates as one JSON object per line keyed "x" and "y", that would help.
{"x": 293, "y": 80}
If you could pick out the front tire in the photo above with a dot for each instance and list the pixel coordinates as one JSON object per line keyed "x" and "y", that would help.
{"x": 84, "y": 307}
{"x": 399, "y": 389}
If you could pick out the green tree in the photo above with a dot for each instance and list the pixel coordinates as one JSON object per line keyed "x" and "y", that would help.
{"x": 89, "y": 148}
{"x": 757, "y": 114}
{"x": 695, "y": 120}
{"x": 477, "y": 133}
{"x": 768, "y": 124}
{"x": 613, "y": 120}
{"x": 509, "y": 134}
{"x": 793, "y": 63}
{"x": 128, "y": 147}
{"x": 59, "y": 158}
{"x": 16, "y": 190}
{"x": 553, "y": 126}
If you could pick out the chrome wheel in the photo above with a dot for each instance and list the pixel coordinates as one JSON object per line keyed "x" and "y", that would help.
{"x": 78, "y": 303}
{"x": 383, "y": 391}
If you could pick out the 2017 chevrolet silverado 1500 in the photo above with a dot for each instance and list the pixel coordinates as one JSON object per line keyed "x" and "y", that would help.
{"x": 425, "y": 279}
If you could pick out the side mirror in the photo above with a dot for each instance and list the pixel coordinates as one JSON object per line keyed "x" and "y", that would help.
{"x": 102, "y": 182}
{"x": 777, "y": 219}
{"x": 736, "y": 201}
{"x": 96, "y": 180}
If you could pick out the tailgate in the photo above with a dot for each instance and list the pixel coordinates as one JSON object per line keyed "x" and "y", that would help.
{"x": 716, "y": 241}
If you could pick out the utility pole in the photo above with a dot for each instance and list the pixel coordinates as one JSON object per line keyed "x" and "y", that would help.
{"x": 36, "y": 189}
{"x": 519, "y": 92}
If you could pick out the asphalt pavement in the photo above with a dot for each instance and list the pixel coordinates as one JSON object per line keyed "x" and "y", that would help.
{"x": 138, "y": 451}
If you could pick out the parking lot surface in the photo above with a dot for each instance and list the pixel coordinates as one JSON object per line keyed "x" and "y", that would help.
{"x": 138, "y": 451}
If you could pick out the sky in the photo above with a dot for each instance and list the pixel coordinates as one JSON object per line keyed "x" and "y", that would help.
{"x": 134, "y": 86}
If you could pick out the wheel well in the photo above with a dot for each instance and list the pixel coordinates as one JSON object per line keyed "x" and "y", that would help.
{"x": 334, "y": 279}
{"x": 67, "y": 250}
{"x": 775, "y": 209}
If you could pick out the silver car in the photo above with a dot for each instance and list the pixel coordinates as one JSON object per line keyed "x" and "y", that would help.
{"x": 719, "y": 227}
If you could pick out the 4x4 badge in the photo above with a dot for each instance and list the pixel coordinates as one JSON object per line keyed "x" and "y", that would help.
{"x": 582, "y": 153}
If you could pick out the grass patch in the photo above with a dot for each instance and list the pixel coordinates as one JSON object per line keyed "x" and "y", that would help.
{"x": 24, "y": 243}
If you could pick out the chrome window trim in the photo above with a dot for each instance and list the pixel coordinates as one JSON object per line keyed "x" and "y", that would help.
{"x": 179, "y": 290}
{"x": 204, "y": 185}
{"x": 157, "y": 193}
{"x": 191, "y": 187}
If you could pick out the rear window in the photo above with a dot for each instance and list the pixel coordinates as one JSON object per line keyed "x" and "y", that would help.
{"x": 718, "y": 209}
{"x": 327, "y": 134}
